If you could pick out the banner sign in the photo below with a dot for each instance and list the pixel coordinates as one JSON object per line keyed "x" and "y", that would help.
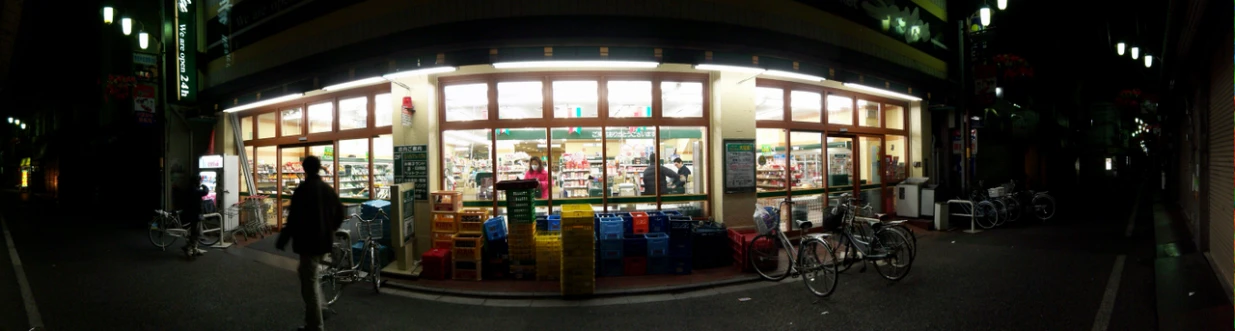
{"x": 186, "y": 51}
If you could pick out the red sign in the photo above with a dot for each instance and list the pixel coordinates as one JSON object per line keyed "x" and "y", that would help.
{"x": 984, "y": 84}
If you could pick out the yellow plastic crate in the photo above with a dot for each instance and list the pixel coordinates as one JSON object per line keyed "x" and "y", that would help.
{"x": 577, "y": 211}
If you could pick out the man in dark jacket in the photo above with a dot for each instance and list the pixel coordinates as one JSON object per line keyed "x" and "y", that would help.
{"x": 649, "y": 176}
{"x": 187, "y": 194}
{"x": 314, "y": 215}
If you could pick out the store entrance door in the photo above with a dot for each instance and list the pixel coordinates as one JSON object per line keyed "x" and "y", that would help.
{"x": 840, "y": 172}
{"x": 853, "y": 166}
{"x": 291, "y": 173}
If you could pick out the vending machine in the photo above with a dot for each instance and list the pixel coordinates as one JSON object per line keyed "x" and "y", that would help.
{"x": 221, "y": 176}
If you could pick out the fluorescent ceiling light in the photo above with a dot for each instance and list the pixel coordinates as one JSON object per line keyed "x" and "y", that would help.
{"x": 416, "y": 72}
{"x": 794, "y": 75}
{"x": 262, "y": 103}
{"x": 882, "y": 91}
{"x": 576, "y": 64}
{"x": 355, "y": 83}
{"x": 721, "y": 67}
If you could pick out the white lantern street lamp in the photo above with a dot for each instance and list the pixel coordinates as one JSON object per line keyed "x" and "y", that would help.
{"x": 1119, "y": 48}
{"x": 985, "y": 15}
{"x": 108, "y": 13}
{"x": 10, "y": 120}
{"x": 1003, "y": 4}
{"x": 23, "y": 126}
{"x": 142, "y": 39}
{"x": 1136, "y": 52}
{"x": 1149, "y": 60}
{"x": 126, "y": 25}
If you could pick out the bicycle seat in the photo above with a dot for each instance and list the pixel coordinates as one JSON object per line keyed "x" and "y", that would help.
{"x": 803, "y": 224}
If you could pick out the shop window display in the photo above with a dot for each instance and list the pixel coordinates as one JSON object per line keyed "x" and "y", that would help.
{"x": 682, "y": 149}
{"x": 681, "y": 99}
{"x": 806, "y": 106}
{"x": 290, "y": 171}
{"x": 353, "y": 170}
{"x": 383, "y": 166}
{"x": 468, "y": 167}
{"x": 772, "y": 168}
{"x": 807, "y": 164}
{"x": 628, "y": 150}
{"x": 520, "y": 100}
{"x": 326, "y": 153}
{"x": 290, "y": 122}
{"x": 382, "y": 111}
{"x": 894, "y": 117}
{"x": 840, "y": 110}
{"x": 576, "y": 161}
{"x": 266, "y": 125}
{"x": 869, "y": 113}
{"x": 630, "y": 99}
{"x": 575, "y": 99}
{"x": 468, "y": 102}
{"x": 321, "y": 117}
{"x": 769, "y": 104}
{"x": 267, "y": 171}
{"x": 515, "y": 149}
{"x": 354, "y": 113}
{"x": 246, "y": 128}
{"x": 896, "y": 158}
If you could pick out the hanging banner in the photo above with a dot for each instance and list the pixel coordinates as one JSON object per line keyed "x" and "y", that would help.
{"x": 186, "y": 51}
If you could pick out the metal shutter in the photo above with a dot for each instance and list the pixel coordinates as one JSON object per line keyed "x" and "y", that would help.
{"x": 1221, "y": 181}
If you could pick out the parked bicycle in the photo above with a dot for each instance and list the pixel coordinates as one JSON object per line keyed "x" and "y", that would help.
{"x": 872, "y": 241}
{"x": 166, "y": 228}
{"x": 343, "y": 269}
{"x": 813, "y": 258}
{"x": 1041, "y": 203}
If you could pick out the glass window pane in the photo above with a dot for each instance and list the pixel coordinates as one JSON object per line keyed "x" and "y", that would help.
{"x": 321, "y": 117}
{"x": 807, "y": 153}
{"x": 630, "y": 99}
{"x": 688, "y": 208}
{"x": 246, "y": 128}
{"x": 868, "y": 113}
{"x": 353, "y": 169}
{"x": 382, "y": 111}
{"x": 894, "y": 117}
{"x": 806, "y": 106}
{"x": 515, "y": 150}
{"x": 468, "y": 102}
{"x": 265, "y": 125}
{"x": 682, "y": 148}
{"x": 627, "y": 153}
{"x": 805, "y": 207}
{"x": 897, "y": 158}
{"x": 326, "y": 153}
{"x": 516, "y": 100}
{"x": 353, "y": 113}
{"x": 769, "y": 104}
{"x": 267, "y": 174}
{"x": 770, "y": 175}
{"x": 291, "y": 172}
{"x": 383, "y": 165}
{"x": 576, "y": 158}
{"x": 681, "y": 99}
{"x": 291, "y": 121}
{"x": 467, "y": 165}
{"x": 870, "y": 171}
{"x": 840, "y": 167}
{"x": 575, "y": 99}
{"x": 840, "y": 110}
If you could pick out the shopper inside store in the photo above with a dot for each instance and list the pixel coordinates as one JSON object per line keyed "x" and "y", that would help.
{"x": 536, "y": 170}
{"x": 649, "y": 175}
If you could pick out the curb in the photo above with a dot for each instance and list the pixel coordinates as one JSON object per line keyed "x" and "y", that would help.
{"x": 556, "y": 295}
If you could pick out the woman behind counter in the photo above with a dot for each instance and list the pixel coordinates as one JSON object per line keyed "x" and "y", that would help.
{"x": 536, "y": 170}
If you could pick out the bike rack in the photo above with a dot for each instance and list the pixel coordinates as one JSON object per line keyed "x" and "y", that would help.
{"x": 222, "y": 231}
{"x": 972, "y": 222}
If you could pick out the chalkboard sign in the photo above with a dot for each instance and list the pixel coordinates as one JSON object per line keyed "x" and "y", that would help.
{"x": 740, "y": 166}
{"x": 412, "y": 166}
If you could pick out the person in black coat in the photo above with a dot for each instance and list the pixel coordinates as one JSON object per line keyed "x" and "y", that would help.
{"x": 649, "y": 176}
{"x": 313, "y": 217}
{"x": 187, "y": 195}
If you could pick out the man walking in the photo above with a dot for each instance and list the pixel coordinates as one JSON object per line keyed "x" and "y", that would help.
{"x": 314, "y": 215}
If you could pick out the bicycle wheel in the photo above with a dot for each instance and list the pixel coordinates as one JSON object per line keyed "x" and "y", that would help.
{"x": 331, "y": 287}
{"x": 1001, "y": 211}
{"x": 1043, "y": 206}
{"x": 1014, "y": 209}
{"x": 817, "y": 263}
{"x": 898, "y": 258}
{"x": 986, "y": 214}
{"x": 158, "y": 233}
{"x": 212, "y": 231}
{"x": 375, "y": 269}
{"x": 768, "y": 256}
{"x": 845, "y": 252}
{"x": 908, "y": 233}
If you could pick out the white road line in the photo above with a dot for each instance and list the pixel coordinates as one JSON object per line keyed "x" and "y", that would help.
{"x": 1103, "y": 319}
{"x": 27, "y": 296}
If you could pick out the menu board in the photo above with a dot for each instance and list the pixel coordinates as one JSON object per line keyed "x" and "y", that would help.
{"x": 739, "y": 165}
{"x": 412, "y": 166}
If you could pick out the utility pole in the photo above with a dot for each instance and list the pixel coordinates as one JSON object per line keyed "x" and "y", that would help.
{"x": 964, "y": 97}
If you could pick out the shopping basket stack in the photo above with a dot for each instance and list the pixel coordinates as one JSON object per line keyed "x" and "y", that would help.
{"x": 578, "y": 250}
{"x": 521, "y": 227}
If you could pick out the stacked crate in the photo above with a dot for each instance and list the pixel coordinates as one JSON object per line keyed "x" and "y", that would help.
{"x": 611, "y": 245}
{"x": 578, "y": 250}
{"x": 497, "y": 252}
{"x": 548, "y": 255}
{"x": 681, "y": 245}
{"x": 445, "y": 206}
{"x": 521, "y": 227}
{"x": 468, "y": 254}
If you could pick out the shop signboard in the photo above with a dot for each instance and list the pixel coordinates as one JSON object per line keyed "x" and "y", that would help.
{"x": 144, "y": 102}
{"x": 984, "y": 84}
{"x": 186, "y": 51}
{"x": 739, "y": 166}
{"x": 412, "y": 166}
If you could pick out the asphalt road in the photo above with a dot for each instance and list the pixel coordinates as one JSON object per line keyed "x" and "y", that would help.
{"x": 87, "y": 275}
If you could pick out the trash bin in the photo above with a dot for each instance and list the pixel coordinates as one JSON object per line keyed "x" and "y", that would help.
{"x": 907, "y": 193}
{"x": 927, "y": 205}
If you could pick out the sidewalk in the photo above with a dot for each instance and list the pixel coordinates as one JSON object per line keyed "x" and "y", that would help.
{"x": 1189, "y": 295}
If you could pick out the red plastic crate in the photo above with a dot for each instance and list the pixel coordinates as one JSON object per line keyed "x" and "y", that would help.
{"x": 435, "y": 264}
{"x": 740, "y": 238}
{"x": 635, "y": 266}
{"x": 639, "y": 222}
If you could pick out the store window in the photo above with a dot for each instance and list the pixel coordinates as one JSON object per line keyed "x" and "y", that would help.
{"x": 682, "y": 149}
{"x": 468, "y": 102}
{"x": 266, "y": 125}
{"x": 576, "y": 158}
{"x": 871, "y": 171}
{"x": 839, "y": 167}
{"x": 628, "y": 151}
{"x": 326, "y": 154}
{"x": 840, "y": 110}
{"x": 383, "y": 166}
{"x": 520, "y": 100}
{"x": 681, "y": 99}
{"x": 353, "y": 168}
{"x": 353, "y": 113}
{"x": 806, "y": 106}
{"x": 769, "y": 104}
{"x": 292, "y": 174}
{"x": 807, "y": 163}
{"x": 321, "y": 117}
{"x": 630, "y": 99}
{"x": 468, "y": 167}
{"x": 515, "y": 149}
{"x": 771, "y": 172}
{"x": 894, "y": 117}
{"x": 292, "y": 120}
{"x": 575, "y": 99}
{"x": 868, "y": 113}
{"x": 382, "y": 111}
{"x": 246, "y": 128}
{"x": 896, "y": 158}
{"x": 267, "y": 171}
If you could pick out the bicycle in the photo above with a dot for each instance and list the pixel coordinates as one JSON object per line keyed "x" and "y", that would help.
{"x": 764, "y": 250}
{"x": 984, "y": 212}
{"x": 1042, "y": 202}
{"x": 899, "y": 226}
{"x": 873, "y": 241}
{"x": 166, "y": 228}
{"x": 341, "y": 270}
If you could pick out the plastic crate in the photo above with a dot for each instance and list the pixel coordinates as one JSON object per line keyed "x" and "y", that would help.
{"x": 634, "y": 247}
{"x": 472, "y": 221}
{"x": 681, "y": 265}
{"x": 467, "y": 270}
{"x": 637, "y": 225}
{"x": 443, "y": 240}
{"x": 468, "y": 247}
{"x": 610, "y": 228}
{"x": 635, "y": 266}
{"x": 446, "y": 201}
{"x": 446, "y": 222}
{"x": 495, "y": 229}
{"x": 612, "y": 267}
{"x": 658, "y": 244}
{"x": 577, "y": 211}
{"x": 660, "y": 265}
{"x": 658, "y": 222}
{"x": 435, "y": 264}
{"x": 554, "y": 223}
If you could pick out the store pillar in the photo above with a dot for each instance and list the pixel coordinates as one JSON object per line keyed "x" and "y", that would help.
{"x": 733, "y": 117}
{"x": 418, "y": 128}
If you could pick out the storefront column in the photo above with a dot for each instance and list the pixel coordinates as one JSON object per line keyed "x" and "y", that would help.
{"x": 422, "y": 131}
{"x": 919, "y": 134}
{"x": 733, "y": 117}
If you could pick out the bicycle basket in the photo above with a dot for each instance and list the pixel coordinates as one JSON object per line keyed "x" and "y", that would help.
{"x": 370, "y": 229}
{"x": 995, "y": 192}
{"x": 766, "y": 219}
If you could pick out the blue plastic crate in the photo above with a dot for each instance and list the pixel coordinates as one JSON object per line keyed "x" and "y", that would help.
{"x": 657, "y": 222}
{"x": 660, "y": 265}
{"x": 681, "y": 246}
{"x": 680, "y": 265}
{"x": 555, "y": 223}
{"x": 609, "y": 244}
{"x": 612, "y": 267}
{"x": 542, "y": 222}
{"x": 634, "y": 246}
{"x": 658, "y": 244}
{"x": 610, "y": 228}
{"x": 495, "y": 229}
{"x": 628, "y": 224}
{"x": 671, "y": 213}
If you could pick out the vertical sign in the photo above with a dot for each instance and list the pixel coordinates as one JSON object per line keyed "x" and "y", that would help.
{"x": 412, "y": 165}
{"x": 739, "y": 166}
{"x": 186, "y": 51}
